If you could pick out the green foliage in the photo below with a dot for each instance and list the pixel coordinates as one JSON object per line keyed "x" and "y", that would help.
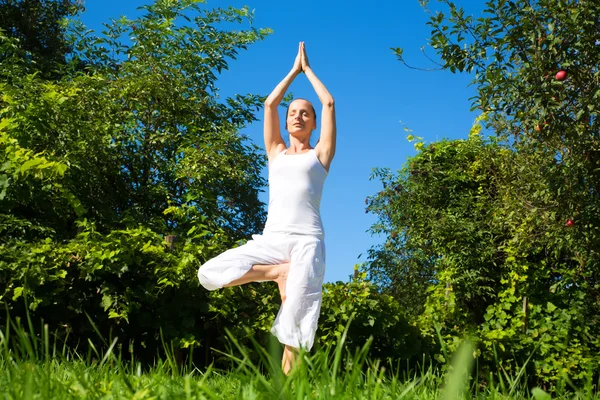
{"x": 143, "y": 130}
{"x": 472, "y": 231}
{"x": 127, "y": 282}
{"x": 22, "y": 168}
{"x": 244, "y": 313}
{"x": 37, "y": 365}
{"x": 373, "y": 316}
{"x": 514, "y": 51}
{"x": 39, "y": 29}
{"x": 129, "y": 143}
{"x": 435, "y": 212}
{"x": 502, "y": 236}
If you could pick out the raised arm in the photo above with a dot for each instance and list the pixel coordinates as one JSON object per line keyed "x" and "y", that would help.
{"x": 325, "y": 149}
{"x": 274, "y": 143}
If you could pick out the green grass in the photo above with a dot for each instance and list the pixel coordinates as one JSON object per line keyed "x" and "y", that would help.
{"x": 32, "y": 367}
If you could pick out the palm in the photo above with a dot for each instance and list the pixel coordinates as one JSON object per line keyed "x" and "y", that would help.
{"x": 298, "y": 61}
{"x": 304, "y": 57}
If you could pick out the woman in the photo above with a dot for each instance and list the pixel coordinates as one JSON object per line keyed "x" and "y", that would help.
{"x": 291, "y": 250}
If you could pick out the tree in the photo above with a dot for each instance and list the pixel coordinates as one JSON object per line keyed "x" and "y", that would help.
{"x": 436, "y": 215}
{"x": 534, "y": 65}
{"x": 40, "y": 30}
{"x": 515, "y": 51}
{"x": 473, "y": 234}
{"x": 143, "y": 130}
{"x": 129, "y": 144}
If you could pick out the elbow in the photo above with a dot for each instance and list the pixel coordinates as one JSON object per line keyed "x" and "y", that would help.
{"x": 329, "y": 103}
{"x": 270, "y": 103}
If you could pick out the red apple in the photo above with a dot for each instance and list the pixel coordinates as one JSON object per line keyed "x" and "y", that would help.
{"x": 561, "y": 75}
{"x": 569, "y": 223}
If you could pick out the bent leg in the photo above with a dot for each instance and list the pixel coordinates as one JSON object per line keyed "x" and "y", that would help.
{"x": 261, "y": 273}
{"x": 255, "y": 261}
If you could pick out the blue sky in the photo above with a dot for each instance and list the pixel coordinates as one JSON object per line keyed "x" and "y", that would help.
{"x": 348, "y": 46}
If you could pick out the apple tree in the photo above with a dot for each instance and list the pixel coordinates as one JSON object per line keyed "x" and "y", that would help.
{"x": 468, "y": 253}
{"x": 511, "y": 254}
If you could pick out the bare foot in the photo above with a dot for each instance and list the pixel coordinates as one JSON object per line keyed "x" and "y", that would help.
{"x": 282, "y": 274}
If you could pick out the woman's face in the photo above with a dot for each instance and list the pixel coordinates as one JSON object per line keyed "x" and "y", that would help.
{"x": 300, "y": 117}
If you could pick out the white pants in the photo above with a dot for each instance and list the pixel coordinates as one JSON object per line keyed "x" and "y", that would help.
{"x": 296, "y": 321}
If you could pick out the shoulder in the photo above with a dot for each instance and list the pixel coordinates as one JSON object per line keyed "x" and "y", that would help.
{"x": 276, "y": 151}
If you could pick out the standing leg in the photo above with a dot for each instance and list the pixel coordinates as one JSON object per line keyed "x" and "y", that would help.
{"x": 290, "y": 354}
{"x": 297, "y": 320}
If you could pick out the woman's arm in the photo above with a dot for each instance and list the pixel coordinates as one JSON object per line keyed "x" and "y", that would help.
{"x": 274, "y": 143}
{"x": 325, "y": 149}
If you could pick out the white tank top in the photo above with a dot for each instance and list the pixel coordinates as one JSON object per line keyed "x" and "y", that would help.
{"x": 295, "y": 188}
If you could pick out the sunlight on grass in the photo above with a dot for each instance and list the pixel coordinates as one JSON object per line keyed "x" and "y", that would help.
{"x": 36, "y": 366}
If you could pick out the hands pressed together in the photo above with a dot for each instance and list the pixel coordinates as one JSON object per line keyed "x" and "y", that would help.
{"x": 301, "y": 63}
{"x": 274, "y": 143}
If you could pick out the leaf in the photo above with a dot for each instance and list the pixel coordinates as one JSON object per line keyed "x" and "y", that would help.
{"x": 113, "y": 314}
{"x": 107, "y": 302}
{"x": 5, "y": 122}
{"x": 61, "y": 168}
{"x": 18, "y": 291}
{"x": 30, "y": 164}
{"x": 539, "y": 394}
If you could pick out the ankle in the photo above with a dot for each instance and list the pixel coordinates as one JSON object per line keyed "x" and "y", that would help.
{"x": 273, "y": 273}
{"x": 280, "y": 271}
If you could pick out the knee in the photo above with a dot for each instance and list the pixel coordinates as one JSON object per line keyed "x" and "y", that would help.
{"x": 206, "y": 277}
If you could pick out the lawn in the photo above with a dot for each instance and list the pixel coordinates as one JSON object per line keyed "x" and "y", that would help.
{"x": 40, "y": 369}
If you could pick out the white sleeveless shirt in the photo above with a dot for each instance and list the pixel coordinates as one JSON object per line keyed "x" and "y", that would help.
{"x": 295, "y": 188}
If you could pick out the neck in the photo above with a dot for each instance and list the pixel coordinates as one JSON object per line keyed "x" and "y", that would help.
{"x": 299, "y": 145}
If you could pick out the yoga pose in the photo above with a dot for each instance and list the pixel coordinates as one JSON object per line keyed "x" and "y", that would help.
{"x": 291, "y": 249}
